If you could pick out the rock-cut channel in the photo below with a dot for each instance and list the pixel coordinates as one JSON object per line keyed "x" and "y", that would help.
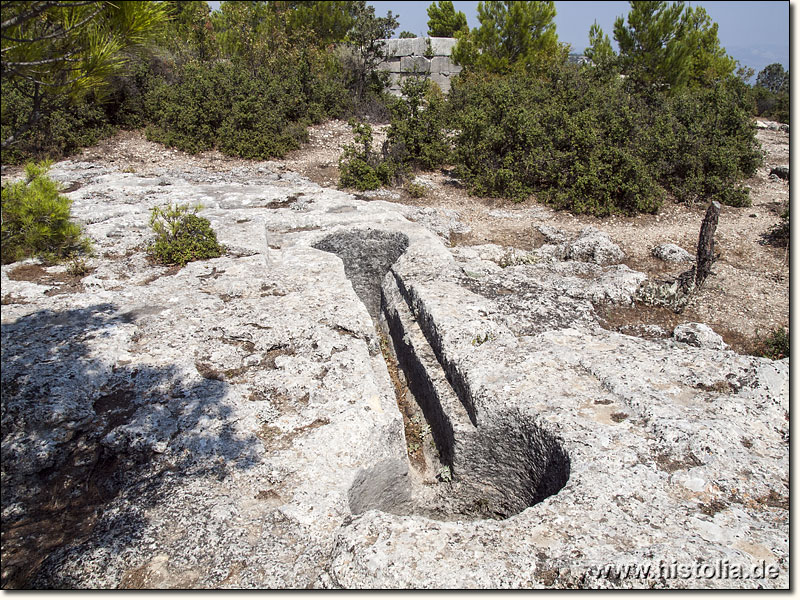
{"x": 492, "y": 467}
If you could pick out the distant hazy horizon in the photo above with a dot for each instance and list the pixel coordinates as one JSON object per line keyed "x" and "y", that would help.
{"x": 754, "y": 33}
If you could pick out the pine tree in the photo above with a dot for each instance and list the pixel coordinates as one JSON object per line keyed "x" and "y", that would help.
{"x": 650, "y": 49}
{"x": 600, "y": 52}
{"x": 444, "y": 21}
{"x": 329, "y": 21}
{"x": 664, "y": 46}
{"x": 709, "y": 61}
{"x": 512, "y": 35}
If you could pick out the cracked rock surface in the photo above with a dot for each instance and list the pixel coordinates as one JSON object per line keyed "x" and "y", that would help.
{"x": 233, "y": 424}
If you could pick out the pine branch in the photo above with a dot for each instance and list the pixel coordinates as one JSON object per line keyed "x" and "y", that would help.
{"x": 44, "y": 61}
{"x": 60, "y": 33}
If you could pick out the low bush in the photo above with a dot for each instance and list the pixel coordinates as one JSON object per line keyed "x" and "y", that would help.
{"x": 776, "y": 344}
{"x": 362, "y": 168}
{"x": 704, "y": 144}
{"x": 576, "y": 140}
{"x": 588, "y": 141}
{"x": 125, "y": 104}
{"x": 186, "y": 113}
{"x": 182, "y": 236}
{"x": 417, "y": 139}
{"x": 59, "y": 132}
{"x": 36, "y": 219}
{"x": 418, "y": 136}
{"x": 416, "y": 190}
{"x": 251, "y": 113}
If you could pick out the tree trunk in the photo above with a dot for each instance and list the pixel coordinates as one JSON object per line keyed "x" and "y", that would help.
{"x": 705, "y": 244}
{"x": 675, "y": 293}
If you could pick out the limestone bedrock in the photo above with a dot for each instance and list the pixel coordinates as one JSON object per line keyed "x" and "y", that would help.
{"x": 233, "y": 423}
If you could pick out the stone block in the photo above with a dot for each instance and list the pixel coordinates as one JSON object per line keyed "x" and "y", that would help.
{"x": 444, "y": 65}
{"x": 419, "y": 46}
{"x": 392, "y": 65}
{"x": 442, "y": 46}
{"x": 415, "y": 64}
{"x": 442, "y": 80}
{"x": 405, "y": 47}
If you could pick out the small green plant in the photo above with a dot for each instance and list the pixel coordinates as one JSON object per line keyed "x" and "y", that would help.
{"x": 359, "y": 166}
{"x": 445, "y": 474}
{"x": 182, "y": 236}
{"x": 77, "y": 267}
{"x": 416, "y": 190}
{"x": 776, "y": 344}
{"x": 36, "y": 219}
{"x": 428, "y": 49}
{"x": 482, "y": 338}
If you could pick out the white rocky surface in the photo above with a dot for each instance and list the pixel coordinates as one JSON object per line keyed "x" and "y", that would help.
{"x": 698, "y": 334}
{"x": 594, "y": 246}
{"x": 234, "y": 423}
{"x": 772, "y": 125}
{"x": 671, "y": 253}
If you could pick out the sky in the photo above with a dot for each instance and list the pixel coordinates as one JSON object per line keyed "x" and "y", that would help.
{"x": 756, "y": 33}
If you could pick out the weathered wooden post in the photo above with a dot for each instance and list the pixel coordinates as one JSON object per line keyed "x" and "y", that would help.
{"x": 675, "y": 293}
{"x": 705, "y": 244}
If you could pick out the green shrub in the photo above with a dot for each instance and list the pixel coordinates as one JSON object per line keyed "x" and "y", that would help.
{"x": 588, "y": 141}
{"x": 418, "y": 133}
{"x": 125, "y": 105}
{"x": 576, "y": 140}
{"x": 416, "y": 190}
{"x": 258, "y": 114}
{"x": 704, "y": 144}
{"x": 776, "y": 344}
{"x": 362, "y": 168}
{"x": 417, "y": 139}
{"x": 36, "y": 219}
{"x": 59, "y": 132}
{"x": 187, "y": 113}
{"x": 182, "y": 236}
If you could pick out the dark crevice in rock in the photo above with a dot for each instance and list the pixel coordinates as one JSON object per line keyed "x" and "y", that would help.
{"x": 434, "y": 339}
{"x": 418, "y": 362}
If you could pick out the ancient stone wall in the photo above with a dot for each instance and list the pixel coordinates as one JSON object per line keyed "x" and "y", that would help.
{"x": 429, "y": 56}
